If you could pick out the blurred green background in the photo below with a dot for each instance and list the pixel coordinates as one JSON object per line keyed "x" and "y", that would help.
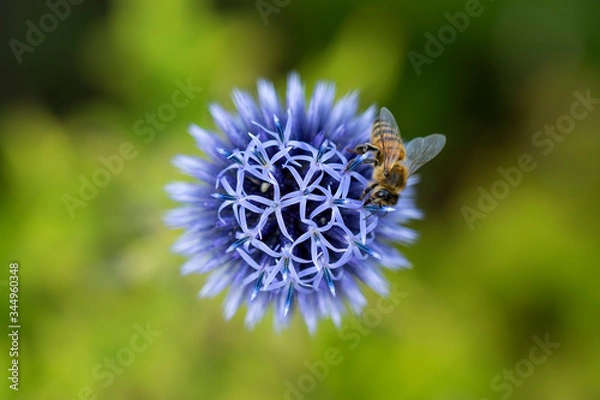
{"x": 481, "y": 288}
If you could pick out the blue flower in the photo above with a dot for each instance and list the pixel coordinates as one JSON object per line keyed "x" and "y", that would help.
{"x": 276, "y": 216}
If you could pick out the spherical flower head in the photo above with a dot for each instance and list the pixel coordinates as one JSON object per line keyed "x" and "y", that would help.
{"x": 276, "y": 215}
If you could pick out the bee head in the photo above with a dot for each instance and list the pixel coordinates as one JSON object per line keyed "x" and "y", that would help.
{"x": 384, "y": 197}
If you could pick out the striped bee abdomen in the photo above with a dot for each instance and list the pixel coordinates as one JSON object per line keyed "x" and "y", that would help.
{"x": 386, "y": 137}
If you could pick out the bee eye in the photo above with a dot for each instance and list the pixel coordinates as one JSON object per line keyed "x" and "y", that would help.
{"x": 382, "y": 193}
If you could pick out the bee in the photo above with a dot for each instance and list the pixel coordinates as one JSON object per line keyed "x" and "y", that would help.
{"x": 393, "y": 161}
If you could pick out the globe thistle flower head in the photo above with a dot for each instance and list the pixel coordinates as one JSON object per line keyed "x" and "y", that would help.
{"x": 275, "y": 216}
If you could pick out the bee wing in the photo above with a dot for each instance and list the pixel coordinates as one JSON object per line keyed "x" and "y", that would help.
{"x": 420, "y": 151}
{"x": 391, "y": 150}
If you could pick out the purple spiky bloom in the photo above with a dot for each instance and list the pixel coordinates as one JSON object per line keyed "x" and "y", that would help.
{"x": 277, "y": 216}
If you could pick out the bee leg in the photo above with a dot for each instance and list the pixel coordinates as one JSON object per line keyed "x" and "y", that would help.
{"x": 363, "y": 148}
{"x": 371, "y": 161}
{"x": 368, "y": 189}
{"x": 360, "y": 149}
{"x": 370, "y": 147}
